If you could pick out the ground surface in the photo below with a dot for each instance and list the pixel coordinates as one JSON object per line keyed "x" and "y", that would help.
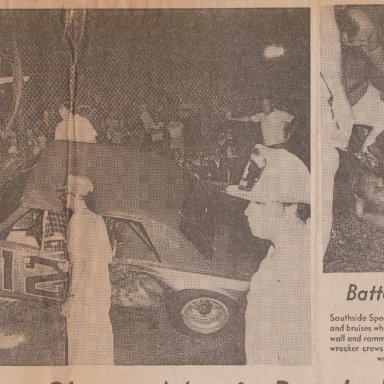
{"x": 355, "y": 245}
{"x": 141, "y": 338}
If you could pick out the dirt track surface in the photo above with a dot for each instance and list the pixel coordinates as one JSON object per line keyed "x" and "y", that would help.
{"x": 141, "y": 338}
{"x": 355, "y": 246}
{"x": 42, "y": 329}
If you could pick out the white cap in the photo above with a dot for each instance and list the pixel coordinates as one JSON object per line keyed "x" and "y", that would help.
{"x": 285, "y": 179}
{"x": 79, "y": 185}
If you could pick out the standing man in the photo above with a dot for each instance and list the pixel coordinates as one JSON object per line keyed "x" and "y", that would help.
{"x": 191, "y": 121}
{"x": 74, "y": 127}
{"x": 278, "y": 312}
{"x": 89, "y": 329}
{"x": 154, "y": 131}
{"x": 274, "y": 123}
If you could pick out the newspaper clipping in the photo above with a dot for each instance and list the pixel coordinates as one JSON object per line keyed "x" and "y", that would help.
{"x": 191, "y": 192}
{"x": 351, "y": 316}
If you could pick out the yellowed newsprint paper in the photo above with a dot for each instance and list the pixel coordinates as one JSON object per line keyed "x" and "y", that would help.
{"x": 349, "y": 290}
{"x": 191, "y": 192}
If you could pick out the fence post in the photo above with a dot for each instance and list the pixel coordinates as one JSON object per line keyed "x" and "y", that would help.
{"x": 18, "y": 114}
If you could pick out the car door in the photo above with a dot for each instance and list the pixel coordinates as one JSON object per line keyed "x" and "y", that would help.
{"x": 33, "y": 256}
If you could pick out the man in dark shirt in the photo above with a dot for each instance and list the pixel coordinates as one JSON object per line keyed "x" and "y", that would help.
{"x": 191, "y": 126}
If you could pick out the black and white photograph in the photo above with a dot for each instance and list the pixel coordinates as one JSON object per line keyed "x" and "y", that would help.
{"x": 155, "y": 182}
{"x": 352, "y": 125}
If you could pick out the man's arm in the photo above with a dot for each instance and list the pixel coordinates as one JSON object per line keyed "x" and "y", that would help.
{"x": 288, "y": 129}
{"x": 330, "y": 65}
{"x": 287, "y": 119}
{"x": 244, "y": 119}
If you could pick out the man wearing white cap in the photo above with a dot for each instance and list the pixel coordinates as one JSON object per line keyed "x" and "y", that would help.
{"x": 278, "y": 312}
{"x": 89, "y": 329}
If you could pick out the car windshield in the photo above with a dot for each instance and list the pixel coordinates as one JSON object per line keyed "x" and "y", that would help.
{"x": 27, "y": 229}
{"x": 130, "y": 238}
{"x": 40, "y": 229}
{"x": 10, "y": 194}
{"x": 215, "y": 224}
{"x": 197, "y": 218}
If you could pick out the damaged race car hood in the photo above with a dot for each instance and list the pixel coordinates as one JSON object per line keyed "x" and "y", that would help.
{"x": 128, "y": 182}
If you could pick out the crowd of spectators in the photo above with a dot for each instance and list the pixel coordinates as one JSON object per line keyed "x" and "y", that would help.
{"x": 173, "y": 130}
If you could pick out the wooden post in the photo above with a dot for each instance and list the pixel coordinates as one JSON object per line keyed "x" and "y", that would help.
{"x": 18, "y": 117}
{"x": 74, "y": 31}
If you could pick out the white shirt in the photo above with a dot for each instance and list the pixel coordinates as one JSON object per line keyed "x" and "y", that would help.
{"x": 272, "y": 125}
{"x": 278, "y": 312}
{"x": 151, "y": 127}
{"x": 89, "y": 329}
{"x": 175, "y": 129}
{"x": 76, "y": 128}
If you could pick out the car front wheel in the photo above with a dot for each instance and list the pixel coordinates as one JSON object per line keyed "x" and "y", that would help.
{"x": 201, "y": 313}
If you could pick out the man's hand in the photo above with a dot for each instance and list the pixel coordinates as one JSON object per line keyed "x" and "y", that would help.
{"x": 228, "y": 115}
{"x": 288, "y": 130}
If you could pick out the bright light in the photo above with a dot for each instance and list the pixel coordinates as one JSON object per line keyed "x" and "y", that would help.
{"x": 9, "y": 341}
{"x": 273, "y": 51}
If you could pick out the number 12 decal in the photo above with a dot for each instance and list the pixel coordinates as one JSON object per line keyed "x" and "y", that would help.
{"x": 50, "y": 285}
{"x": 55, "y": 281}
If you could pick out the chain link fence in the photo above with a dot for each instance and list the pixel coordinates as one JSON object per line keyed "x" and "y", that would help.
{"x": 131, "y": 57}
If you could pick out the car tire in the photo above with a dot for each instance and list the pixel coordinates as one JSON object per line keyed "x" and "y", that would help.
{"x": 201, "y": 313}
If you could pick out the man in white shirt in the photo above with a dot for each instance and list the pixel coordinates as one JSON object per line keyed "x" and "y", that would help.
{"x": 74, "y": 127}
{"x": 273, "y": 123}
{"x": 153, "y": 129}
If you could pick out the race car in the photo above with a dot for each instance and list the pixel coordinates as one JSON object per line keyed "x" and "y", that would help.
{"x": 172, "y": 235}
